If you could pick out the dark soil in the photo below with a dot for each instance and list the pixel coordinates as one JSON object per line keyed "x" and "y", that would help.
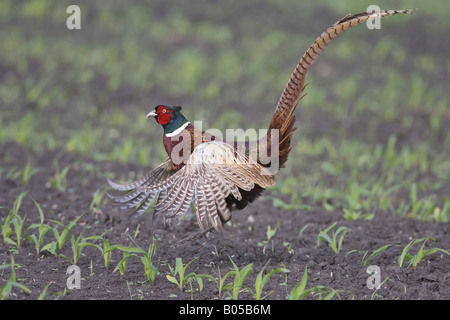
{"x": 245, "y": 241}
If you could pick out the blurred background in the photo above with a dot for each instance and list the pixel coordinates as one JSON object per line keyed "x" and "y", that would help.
{"x": 377, "y": 105}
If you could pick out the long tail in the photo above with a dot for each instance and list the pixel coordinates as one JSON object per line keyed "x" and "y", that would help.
{"x": 283, "y": 118}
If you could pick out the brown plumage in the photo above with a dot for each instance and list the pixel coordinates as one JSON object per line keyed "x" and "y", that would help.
{"x": 216, "y": 176}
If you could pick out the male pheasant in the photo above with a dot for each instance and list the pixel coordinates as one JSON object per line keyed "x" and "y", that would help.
{"x": 220, "y": 176}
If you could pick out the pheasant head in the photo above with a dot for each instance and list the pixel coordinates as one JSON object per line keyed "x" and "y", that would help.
{"x": 170, "y": 118}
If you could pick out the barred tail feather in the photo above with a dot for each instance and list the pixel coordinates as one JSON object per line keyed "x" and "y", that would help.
{"x": 283, "y": 118}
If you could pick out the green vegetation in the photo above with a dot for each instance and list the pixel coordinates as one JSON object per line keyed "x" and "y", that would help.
{"x": 240, "y": 275}
{"x": 221, "y": 71}
{"x": 299, "y": 291}
{"x": 146, "y": 257}
{"x": 372, "y": 132}
{"x": 42, "y": 228}
{"x": 36, "y": 233}
{"x": 14, "y": 224}
{"x": 414, "y": 260}
{"x": 261, "y": 281}
{"x": 375, "y": 253}
{"x": 60, "y": 237}
{"x": 5, "y": 290}
{"x": 334, "y": 241}
{"x": 186, "y": 278}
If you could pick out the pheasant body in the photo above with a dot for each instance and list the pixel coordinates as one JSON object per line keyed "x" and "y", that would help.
{"x": 216, "y": 176}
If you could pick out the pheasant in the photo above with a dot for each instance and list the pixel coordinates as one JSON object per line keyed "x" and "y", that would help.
{"x": 221, "y": 176}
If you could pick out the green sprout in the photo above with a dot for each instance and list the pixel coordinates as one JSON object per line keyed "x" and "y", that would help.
{"x": 55, "y": 246}
{"x": 414, "y": 260}
{"x": 5, "y": 290}
{"x": 334, "y": 242}
{"x": 239, "y": 278}
{"x": 183, "y": 278}
{"x": 299, "y": 291}
{"x": 261, "y": 281}
{"x": 146, "y": 257}
{"x": 42, "y": 228}
{"x": 14, "y": 223}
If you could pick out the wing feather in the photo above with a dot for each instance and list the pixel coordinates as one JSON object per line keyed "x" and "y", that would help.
{"x": 201, "y": 208}
{"x": 211, "y": 207}
{"x": 145, "y": 204}
{"x": 135, "y": 194}
{"x": 151, "y": 176}
{"x": 212, "y": 172}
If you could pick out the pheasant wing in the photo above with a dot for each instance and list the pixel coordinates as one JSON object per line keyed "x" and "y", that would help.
{"x": 134, "y": 196}
{"x": 213, "y": 171}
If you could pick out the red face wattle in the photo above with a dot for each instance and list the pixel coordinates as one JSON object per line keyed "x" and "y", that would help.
{"x": 163, "y": 115}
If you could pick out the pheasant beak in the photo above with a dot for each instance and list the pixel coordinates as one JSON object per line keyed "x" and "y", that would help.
{"x": 152, "y": 114}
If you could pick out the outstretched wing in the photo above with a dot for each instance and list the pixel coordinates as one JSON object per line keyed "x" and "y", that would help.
{"x": 133, "y": 196}
{"x": 213, "y": 171}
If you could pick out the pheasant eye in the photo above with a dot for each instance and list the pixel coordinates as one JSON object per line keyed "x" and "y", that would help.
{"x": 162, "y": 109}
{"x": 163, "y": 115}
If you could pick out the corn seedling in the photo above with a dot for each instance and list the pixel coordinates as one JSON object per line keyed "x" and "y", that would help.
{"x": 284, "y": 283}
{"x": 302, "y": 230}
{"x": 199, "y": 278}
{"x": 28, "y": 172}
{"x": 5, "y": 290}
{"x": 97, "y": 200}
{"x": 59, "y": 179}
{"x": 334, "y": 242}
{"x": 222, "y": 281}
{"x": 239, "y": 278}
{"x": 375, "y": 253}
{"x": 270, "y": 233}
{"x": 147, "y": 260}
{"x": 353, "y": 215}
{"x": 23, "y": 175}
{"x": 288, "y": 246}
{"x": 375, "y": 292}
{"x": 42, "y": 228}
{"x": 123, "y": 263}
{"x": 14, "y": 223}
{"x": 79, "y": 244}
{"x": 424, "y": 209}
{"x": 146, "y": 257}
{"x": 183, "y": 278}
{"x": 107, "y": 253}
{"x": 44, "y": 292}
{"x": 299, "y": 291}
{"x": 442, "y": 214}
{"x": 415, "y": 202}
{"x": 60, "y": 238}
{"x": 281, "y": 205}
{"x": 414, "y": 260}
{"x": 17, "y": 227}
{"x": 261, "y": 281}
